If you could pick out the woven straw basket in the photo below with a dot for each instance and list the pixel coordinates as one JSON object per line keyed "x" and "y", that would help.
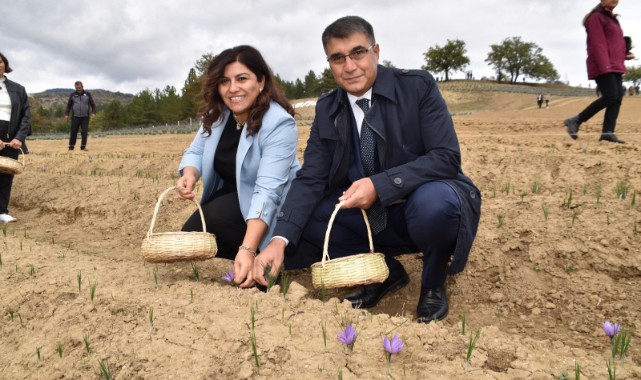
{"x": 11, "y": 166}
{"x": 359, "y": 269}
{"x": 171, "y": 247}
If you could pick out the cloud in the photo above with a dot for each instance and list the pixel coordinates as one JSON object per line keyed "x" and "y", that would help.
{"x": 128, "y": 46}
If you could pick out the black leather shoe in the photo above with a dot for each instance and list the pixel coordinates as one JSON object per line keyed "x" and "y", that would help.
{"x": 432, "y": 305}
{"x": 611, "y": 137}
{"x": 572, "y": 126}
{"x": 369, "y": 295}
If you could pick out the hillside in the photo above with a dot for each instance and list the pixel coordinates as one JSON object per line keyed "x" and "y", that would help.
{"x": 52, "y": 98}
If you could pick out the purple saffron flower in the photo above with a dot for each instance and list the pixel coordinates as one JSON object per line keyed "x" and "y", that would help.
{"x": 610, "y": 329}
{"x": 229, "y": 276}
{"x": 393, "y": 346}
{"x": 348, "y": 336}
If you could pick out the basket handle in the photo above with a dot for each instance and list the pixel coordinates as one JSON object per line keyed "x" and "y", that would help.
{"x": 329, "y": 228}
{"x": 4, "y": 145}
{"x": 153, "y": 219}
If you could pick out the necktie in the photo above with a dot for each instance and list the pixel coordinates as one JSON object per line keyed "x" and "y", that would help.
{"x": 376, "y": 214}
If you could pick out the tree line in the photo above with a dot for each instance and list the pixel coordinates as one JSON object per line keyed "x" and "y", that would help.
{"x": 511, "y": 59}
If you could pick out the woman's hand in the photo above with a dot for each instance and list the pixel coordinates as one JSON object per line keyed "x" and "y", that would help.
{"x": 243, "y": 265}
{"x": 15, "y": 144}
{"x": 186, "y": 184}
{"x": 629, "y": 56}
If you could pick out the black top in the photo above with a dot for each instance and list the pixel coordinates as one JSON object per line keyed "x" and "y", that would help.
{"x": 225, "y": 157}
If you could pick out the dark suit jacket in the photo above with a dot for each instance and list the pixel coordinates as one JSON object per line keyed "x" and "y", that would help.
{"x": 20, "y": 125}
{"x": 416, "y": 144}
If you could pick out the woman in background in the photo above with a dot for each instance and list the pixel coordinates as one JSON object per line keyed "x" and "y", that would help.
{"x": 245, "y": 152}
{"x": 607, "y": 52}
{"x": 15, "y": 124}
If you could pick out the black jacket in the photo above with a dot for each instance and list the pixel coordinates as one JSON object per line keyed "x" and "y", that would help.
{"x": 20, "y": 125}
{"x": 416, "y": 144}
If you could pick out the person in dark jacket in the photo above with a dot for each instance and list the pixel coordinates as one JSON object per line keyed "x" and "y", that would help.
{"x": 383, "y": 141}
{"x": 15, "y": 124}
{"x": 81, "y": 107}
{"x": 607, "y": 52}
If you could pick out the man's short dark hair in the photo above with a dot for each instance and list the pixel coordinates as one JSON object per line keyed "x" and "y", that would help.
{"x": 78, "y": 83}
{"x": 345, "y": 27}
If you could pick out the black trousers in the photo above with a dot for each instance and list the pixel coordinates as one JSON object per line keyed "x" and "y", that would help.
{"x": 611, "y": 87}
{"x": 223, "y": 219}
{"x": 81, "y": 123}
{"x": 6, "y": 180}
{"x": 427, "y": 222}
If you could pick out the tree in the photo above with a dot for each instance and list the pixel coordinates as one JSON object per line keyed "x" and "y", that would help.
{"x": 326, "y": 82}
{"x": 170, "y": 106}
{"x": 387, "y": 63}
{"x": 310, "y": 85}
{"x": 516, "y": 57}
{"x": 203, "y": 63}
{"x": 191, "y": 97}
{"x": 142, "y": 109}
{"x": 446, "y": 59}
{"x": 633, "y": 75}
{"x": 111, "y": 116}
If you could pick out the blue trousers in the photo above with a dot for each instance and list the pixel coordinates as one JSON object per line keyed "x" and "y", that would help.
{"x": 428, "y": 222}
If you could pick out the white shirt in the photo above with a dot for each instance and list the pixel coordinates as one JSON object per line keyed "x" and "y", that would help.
{"x": 359, "y": 115}
{"x": 5, "y": 102}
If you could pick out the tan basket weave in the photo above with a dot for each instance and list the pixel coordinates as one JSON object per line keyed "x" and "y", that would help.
{"x": 171, "y": 247}
{"x": 11, "y": 166}
{"x": 359, "y": 269}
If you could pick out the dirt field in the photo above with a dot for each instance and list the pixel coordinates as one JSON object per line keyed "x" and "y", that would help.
{"x": 557, "y": 254}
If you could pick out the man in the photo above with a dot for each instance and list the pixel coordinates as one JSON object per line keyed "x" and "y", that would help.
{"x": 397, "y": 157}
{"x": 79, "y": 105}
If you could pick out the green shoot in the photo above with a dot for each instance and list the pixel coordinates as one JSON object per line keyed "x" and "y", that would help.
{"x": 285, "y": 281}
{"x": 156, "y": 276}
{"x": 38, "y": 352}
{"x": 622, "y": 189}
{"x": 633, "y": 200}
{"x": 474, "y": 337}
{"x": 79, "y": 278}
{"x": 87, "y": 346}
{"x": 191, "y": 295}
{"x": 324, "y": 328}
{"x": 253, "y": 337}
{"x": 536, "y": 186}
{"x": 59, "y": 349}
{"x": 195, "y": 272}
{"x": 577, "y": 370}
{"x": 501, "y": 219}
{"x": 612, "y": 370}
{"x": 567, "y": 203}
{"x": 92, "y": 290}
{"x": 574, "y": 216}
{"x": 151, "y": 319}
{"x": 104, "y": 370}
{"x": 463, "y": 323}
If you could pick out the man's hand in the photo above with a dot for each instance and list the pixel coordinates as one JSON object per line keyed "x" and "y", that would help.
{"x": 362, "y": 194}
{"x": 273, "y": 257}
{"x": 66, "y": 117}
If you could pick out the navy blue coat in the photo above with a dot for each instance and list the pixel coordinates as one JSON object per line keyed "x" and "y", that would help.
{"x": 416, "y": 144}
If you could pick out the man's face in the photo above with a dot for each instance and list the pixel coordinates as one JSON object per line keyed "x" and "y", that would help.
{"x": 79, "y": 88}
{"x": 356, "y": 74}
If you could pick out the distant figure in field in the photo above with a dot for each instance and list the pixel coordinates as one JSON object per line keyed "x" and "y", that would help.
{"x": 631, "y": 91}
{"x": 539, "y": 100}
{"x": 79, "y": 106}
{"x": 547, "y": 100}
{"x": 607, "y": 52}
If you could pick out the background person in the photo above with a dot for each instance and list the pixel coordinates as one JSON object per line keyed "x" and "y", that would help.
{"x": 15, "y": 124}
{"x": 383, "y": 141}
{"x": 81, "y": 107}
{"x": 607, "y": 53}
{"x": 245, "y": 152}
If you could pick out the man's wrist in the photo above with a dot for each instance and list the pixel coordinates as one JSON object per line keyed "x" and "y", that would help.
{"x": 280, "y": 238}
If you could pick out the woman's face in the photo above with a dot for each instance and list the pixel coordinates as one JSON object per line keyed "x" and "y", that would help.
{"x": 239, "y": 88}
{"x": 609, "y": 4}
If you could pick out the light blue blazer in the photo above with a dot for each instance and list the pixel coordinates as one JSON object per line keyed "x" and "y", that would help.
{"x": 266, "y": 164}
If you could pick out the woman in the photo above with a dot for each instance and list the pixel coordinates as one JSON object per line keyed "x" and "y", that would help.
{"x": 245, "y": 152}
{"x": 15, "y": 124}
{"x": 607, "y": 52}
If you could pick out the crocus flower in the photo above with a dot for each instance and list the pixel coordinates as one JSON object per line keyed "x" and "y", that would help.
{"x": 348, "y": 336}
{"x": 393, "y": 346}
{"x": 611, "y": 329}
{"x": 229, "y": 276}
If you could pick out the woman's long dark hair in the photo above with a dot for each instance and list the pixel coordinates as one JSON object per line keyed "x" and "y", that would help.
{"x": 214, "y": 106}
{"x": 587, "y": 16}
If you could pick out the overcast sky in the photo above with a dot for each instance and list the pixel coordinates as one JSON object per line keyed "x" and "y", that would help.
{"x": 128, "y": 46}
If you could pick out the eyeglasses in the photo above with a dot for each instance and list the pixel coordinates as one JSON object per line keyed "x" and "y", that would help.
{"x": 355, "y": 55}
